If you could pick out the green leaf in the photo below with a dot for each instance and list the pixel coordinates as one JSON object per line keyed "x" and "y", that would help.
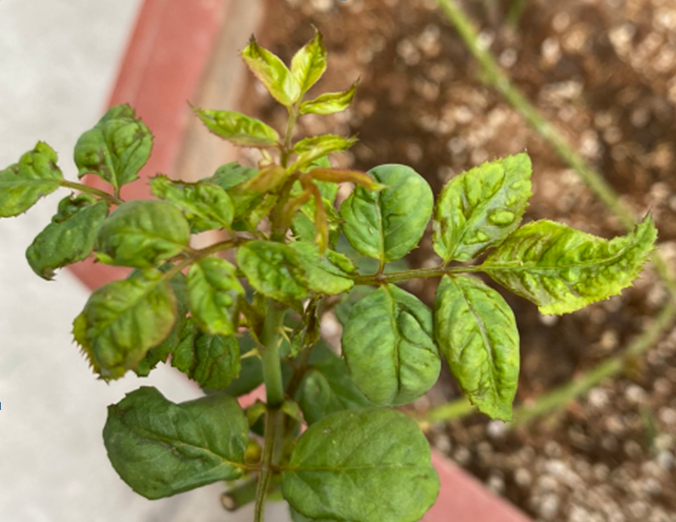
{"x": 181, "y": 329}
{"x": 238, "y": 128}
{"x": 116, "y": 148}
{"x": 328, "y": 387}
{"x": 233, "y": 176}
{"x": 309, "y": 63}
{"x": 388, "y": 346}
{"x": 210, "y": 360}
{"x": 330, "y": 102}
{"x": 386, "y": 225}
{"x": 273, "y": 269}
{"x": 365, "y": 465}
{"x": 213, "y": 290}
{"x": 480, "y": 208}
{"x": 561, "y": 269}
{"x": 70, "y": 236}
{"x": 205, "y": 205}
{"x": 160, "y": 448}
{"x": 310, "y": 150}
{"x": 251, "y": 373}
{"x": 297, "y": 517}
{"x": 124, "y": 319}
{"x": 321, "y": 274}
{"x": 272, "y": 73}
{"x": 24, "y": 183}
{"x": 142, "y": 233}
{"x": 476, "y": 331}
{"x": 307, "y": 333}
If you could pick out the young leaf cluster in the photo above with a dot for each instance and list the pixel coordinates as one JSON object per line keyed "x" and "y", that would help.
{"x": 248, "y": 309}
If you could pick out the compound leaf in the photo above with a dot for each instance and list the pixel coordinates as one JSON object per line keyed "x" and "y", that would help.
{"x": 69, "y": 237}
{"x": 273, "y": 269}
{"x": 24, "y": 183}
{"x": 238, "y": 128}
{"x": 364, "y": 465}
{"x": 272, "y": 73}
{"x": 480, "y": 208}
{"x": 142, "y": 233}
{"x": 476, "y": 331}
{"x": 386, "y": 225}
{"x": 388, "y": 346}
{"x": 205, "y": 205}
{"x": 124, "y": 319}
{"x": 116, "y": 148}
{"x": 213, "y": 290}
{"x": 160, "y": 448}
{"x": 561, "y": 269}
{"x": 328, "y": 387}
{"x": 309, "y": 63}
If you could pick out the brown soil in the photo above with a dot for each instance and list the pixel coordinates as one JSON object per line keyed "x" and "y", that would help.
{"x": 604, "y": 71}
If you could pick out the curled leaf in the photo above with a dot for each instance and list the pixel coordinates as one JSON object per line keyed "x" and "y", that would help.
{"x": 389, "y": 348}
{"x": 238, "y": 128}
{"x": 330, "y": 102}
{"x": 561, "y": 269}
{"x": 273, "y": 74}
{"x": 480, "y": 208}
{"x": 476, "y": 331}
{"x": 116, "y": 148}
{"x": 23, "y": 184}
{"x": 142, "y": 233}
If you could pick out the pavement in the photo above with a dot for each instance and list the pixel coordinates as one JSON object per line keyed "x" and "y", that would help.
{"x": 58, "y": 61}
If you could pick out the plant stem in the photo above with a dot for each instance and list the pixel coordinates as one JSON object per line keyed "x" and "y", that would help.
{"x": 274, "y": 389}
{"x": 393, "y": 277}
{"x": 497, "y": 79}
{"x": 272, "y": 366}
{"x": 608, "y": 368}
{"x": 93, "y": 191}
{"x": 273, "y": 420}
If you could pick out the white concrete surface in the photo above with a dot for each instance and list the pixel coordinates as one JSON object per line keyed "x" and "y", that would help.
{"x": 58, "y": 59}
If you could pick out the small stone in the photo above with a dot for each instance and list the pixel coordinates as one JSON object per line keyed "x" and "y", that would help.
{"x": 552, "y": 449}
{"x": 665, "y": 459}
{"x": 667, "y": 416}
{"x": 443, "y": 443}
{"x": 549, "y": 507}
{"x": 523, "y": 477}
{"x": 598, "y": 398}
{"x": 496, "y": 484}
{"x": 462, "y": 456}
{"x": 496, "y": 429}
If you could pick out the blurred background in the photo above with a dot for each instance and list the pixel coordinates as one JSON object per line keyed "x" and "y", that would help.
{"x": 595, "y": 430}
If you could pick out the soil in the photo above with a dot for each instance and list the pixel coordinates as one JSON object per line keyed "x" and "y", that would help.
{"x": 604, "y": 72}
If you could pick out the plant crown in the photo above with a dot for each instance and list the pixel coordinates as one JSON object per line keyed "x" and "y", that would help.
{"x": 292, "y": 255}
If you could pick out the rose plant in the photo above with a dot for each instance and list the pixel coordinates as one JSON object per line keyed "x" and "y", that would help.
{"x": 247, "y": 310}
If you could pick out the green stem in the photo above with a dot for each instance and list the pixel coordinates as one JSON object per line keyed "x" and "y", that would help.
{"x": 420, "y": 273}
{"x": 93, "y": 191}
{"x": 273, "y": 419}
{"x": 272, "y": 365}
{"x": 610, "y": 367}
{"x": 515, "y": 12}
{"x": 294, "y": 112}
{"x": 274, "y": 389}
{"x": 497, "y": 79}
